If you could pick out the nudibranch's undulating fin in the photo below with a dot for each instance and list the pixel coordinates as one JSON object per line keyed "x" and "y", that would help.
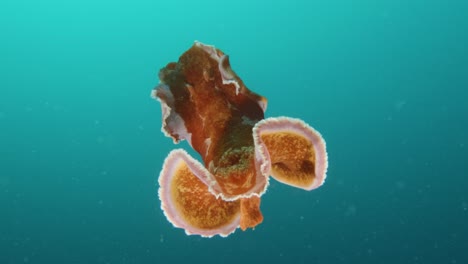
{"x": 188, "y": 204}
{"x": 173, "y": 125}
{"x": 297, "y": 152}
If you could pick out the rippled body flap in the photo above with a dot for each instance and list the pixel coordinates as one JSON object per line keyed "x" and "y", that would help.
{"x": 296, "y": 151}
{"x": 188, "y": 204}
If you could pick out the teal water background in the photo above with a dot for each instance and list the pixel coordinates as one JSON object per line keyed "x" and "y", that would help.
{"x": 385, "y": 82}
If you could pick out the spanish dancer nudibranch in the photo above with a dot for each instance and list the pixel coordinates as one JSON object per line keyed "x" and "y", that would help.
{"x": 204, "y": 102}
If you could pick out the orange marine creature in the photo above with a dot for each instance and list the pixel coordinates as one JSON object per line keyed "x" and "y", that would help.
{"x": 204, "y": 102}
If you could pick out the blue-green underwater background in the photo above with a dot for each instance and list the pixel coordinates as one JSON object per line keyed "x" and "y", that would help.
{"x": 385, "y": 82}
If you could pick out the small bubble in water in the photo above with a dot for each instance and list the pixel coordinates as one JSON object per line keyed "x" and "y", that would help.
{"x": 351, "y": 210}
{"x": 400, "y": 185}
{"x": 399, "y": 105}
